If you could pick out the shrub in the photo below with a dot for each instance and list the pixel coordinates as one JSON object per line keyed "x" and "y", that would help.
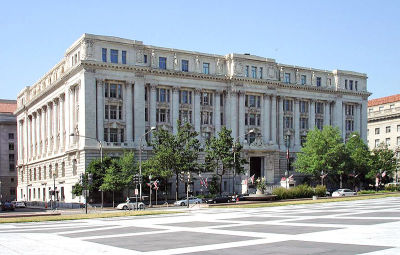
{"x": 300, "y": 191}
{"x": 281, "y": 193}
{"x": 392, "y": 187}
{"x": 320, "y": 191}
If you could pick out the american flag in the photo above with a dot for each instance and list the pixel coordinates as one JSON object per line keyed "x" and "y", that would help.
{"x": 156, "y": 184}
{"x": 384, "y": 174}
{"x": 252, "y": 178}
{"x": 287, "y": 154}
{"x": 205, "y": 183}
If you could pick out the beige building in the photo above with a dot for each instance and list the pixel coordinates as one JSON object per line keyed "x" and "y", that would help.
{"x": 8, "y": 150}
{"x": 113, "y": 90}
{"x": 384, "y": 122}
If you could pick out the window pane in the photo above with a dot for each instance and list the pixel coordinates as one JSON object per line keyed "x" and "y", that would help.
{"x": 114, "y": 56}
{"x": 123, "y": 57}
{"x": 162, "y": 63}
{"x": 104, "y": 54}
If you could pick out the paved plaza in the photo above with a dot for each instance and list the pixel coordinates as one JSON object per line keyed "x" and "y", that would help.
{"x": 351, "y": 227}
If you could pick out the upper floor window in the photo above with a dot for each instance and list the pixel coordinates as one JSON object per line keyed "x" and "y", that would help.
{"x": 124, "y": 57}
{"x": 162, "y": 95}
{"x": 253, "y": 72}
{"x": 381, "y": 108}
{"x": 349, "y": 125}
{"x": 11, "y": 136}
{"x": 11, "y": 146}
{"x": 351, "y": 84}
{"x": 114, "y": 56}
{"x": 345, "y": 84}
{"x": 206, "y": 68}
{"x": 104, "y": 54}
{"x": 329, "y": 82}
{"x": 319, "y": 108}
{"x": 185, "y": 97}
{"x": 303, "y": 123}
{"x": 162, "y": 63}
{"x": 377, "y": 142}
{"x": 319, "y": 123}
{"x": 303, "y": 79}
{"x": 303, "y": 106}
{"x": 261, "y": 72}
{"x": 387, "y": 141}
{"x": 288, "y": 122}
{"x": 185, "y": 65}
{"x": 318, "y": 81}
{"x": 398, "y": 128}
{"x": 145, "y": 58}
{"x": 377, "y": 131}
{"x": 247, "y": 71}
{"x": 388, "y": 129}
{"x": 349, "y": 109}
{"x": 185, "y": 116}
{"x": 287, "y": 77}
{"x": 206, "y": 98}
{"x": 162, "y": 115}
{"x": 287, "y": 105}
{"x": 356, "y": 85}
{"x": 253, "y": 101}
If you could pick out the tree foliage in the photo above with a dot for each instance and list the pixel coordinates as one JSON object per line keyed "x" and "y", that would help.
{"x": 382, "y": 160}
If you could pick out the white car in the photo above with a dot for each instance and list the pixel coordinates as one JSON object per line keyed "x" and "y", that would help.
{"x": 192, "y": 200}
{"x": 130, "y": 205}
{"x": 343, "y": 192}
{"x": 19, "y": 204}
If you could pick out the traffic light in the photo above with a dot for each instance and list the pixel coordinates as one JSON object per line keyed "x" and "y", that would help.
{"x": 90, "y": 179}
{"x": 140, "y": 178}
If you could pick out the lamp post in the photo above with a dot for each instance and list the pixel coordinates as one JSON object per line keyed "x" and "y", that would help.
{"x": 101, "y": 160}
{"x": 234, "y": 158}
{"x": 322, "y": 177}
{"x": 287, "y": 159}
{"x": 54, "y": 191}
{"x": 150, "y": 205}
{"x": 140, "y": 159}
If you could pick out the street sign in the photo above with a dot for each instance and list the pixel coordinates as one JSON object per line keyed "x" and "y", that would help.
{"x": 136, "y": 192}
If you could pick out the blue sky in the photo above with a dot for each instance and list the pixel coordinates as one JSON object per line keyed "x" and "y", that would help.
{"x": 362, "y": 36}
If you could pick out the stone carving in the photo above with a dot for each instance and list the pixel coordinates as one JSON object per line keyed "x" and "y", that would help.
{"x": 175, "y": 61}
{"x": 88, "y": 49}
{"x": 197, "y": 62}
{"x": 153, "y": 59}
{"x": 281, "y": 74}
{"x": 297, "y": 76}
{"x": 238, "y": 69}
{"x": 139, "y": 56}
{"x": 271, "y": 72}
{"x": 219, "y": 66}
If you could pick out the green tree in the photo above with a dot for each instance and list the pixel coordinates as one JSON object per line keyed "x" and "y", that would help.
{"x": 360, "y": 156}
{"x": 382, "y": 160}
{"x": 323, "y": 151}
{"x": 114, "y": 178}
{"x": 174, "y": 154}
{"x": 222, "y": 157}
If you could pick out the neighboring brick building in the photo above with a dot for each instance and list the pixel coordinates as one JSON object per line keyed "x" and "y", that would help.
{"x": 8, "y": 150}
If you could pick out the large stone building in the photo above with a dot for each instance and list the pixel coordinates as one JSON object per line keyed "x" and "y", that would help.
{"x": 8, "y": 150}
{"x": 384, "y": 122}
{"x": 114, "y": 90}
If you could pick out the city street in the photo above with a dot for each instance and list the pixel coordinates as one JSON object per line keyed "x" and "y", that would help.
{"x": 353, "y": 227}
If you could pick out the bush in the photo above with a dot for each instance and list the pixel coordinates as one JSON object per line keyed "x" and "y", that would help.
{"x": 392, "y": 188}
{"x": 320, "y": 191}
{"x": 301, "y": 191}
{"x": 281, "y": 193}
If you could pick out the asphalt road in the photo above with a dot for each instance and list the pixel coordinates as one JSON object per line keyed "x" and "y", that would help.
{"x": 349, "y": 227}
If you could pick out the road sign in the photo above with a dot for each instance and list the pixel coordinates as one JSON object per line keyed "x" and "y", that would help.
{"x": 136, "y": 192}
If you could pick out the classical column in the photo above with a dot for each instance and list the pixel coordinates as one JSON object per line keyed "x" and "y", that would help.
{"x": 175, "y": 109}
{"x": 327, "y": 115}
{"x": 217, "y": 112}
{"x": 234, "y": 114}
{"x": 40, "y": 136}
{"x": 337, "y": 113}
{"x": 266, "y": 118}
{"x": 43, "y": 130}
{"x": 49, "y": 133}
{"x": 25, "y": 136}
{"x": 34, "y": 138}
{"x": 312, "y": 115}
{"x": 153, "y": 105}
{"x": 296, "y": 120}
{"x": 280, "y": 117}
{"x": 197, "y": 112}
{"x": 54, "y": 123}
{"x": 72, "y": 139}
{"x": 29, "y": 149}
{"x": 273, "y": 120}
{"x": 138, "y": 98}
{"x": 227, "y": 110}
{"x": 129, "y": 113}
{"x": 344, "y": 122}
{"x": 357, "y": 119}
{"x": 62, "y": 122}
{"x": 364, "y": 119}
{"x": 241, "y": 117}
{"x": 100, "y": 111}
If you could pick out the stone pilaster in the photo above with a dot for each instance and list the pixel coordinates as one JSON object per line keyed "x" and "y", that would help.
{"x": 312, "y": 115}
{"x": 100, "y": 110}
{"x": 175, "y": 109}
{"x": 266, "y": 118}
{"x": 327, "y": 115}
{"x": 62, "y": 123}
{"x": 129, "y": 113}
{"x": 197, "y": 111}
{"x": 153, "y": 105}
{"x": 138, "y": 98}
{"x": 34, "y": 132}
{"x": 234, "y": 113}
{"x": 296, "y": 120}
{"x": 49, "y": 130}
{"x": 357, "y": 118}
{"x": 241, "y": 117}
{"x": 273, "y": 138}
{"x": 43, "y": 130}
{"x": 337, "y": 113}
{"x": 55, "y": 124}
{"x": 280, "y": 117}
{"x": 217, "y": 110}
{"x": 343, "y": 127}
{"x": 364, "y": 119}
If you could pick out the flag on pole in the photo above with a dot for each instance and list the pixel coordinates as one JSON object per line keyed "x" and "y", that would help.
{"x": 156, "y": 184}
{"x": 201, "y": 182}
{"x": 384, "y": 174}
{"x": 287, "y": 154}
{"x": 205, "y": 183}
{"x": 252, "y": 178}
{"x": 245, "y": 181}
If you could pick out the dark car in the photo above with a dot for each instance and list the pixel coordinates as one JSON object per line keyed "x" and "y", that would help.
{"x": 219, "y": 199}
{"x": 7, "y": 206}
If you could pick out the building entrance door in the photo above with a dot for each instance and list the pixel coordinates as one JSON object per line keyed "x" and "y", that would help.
{"x": 255, "y": 167}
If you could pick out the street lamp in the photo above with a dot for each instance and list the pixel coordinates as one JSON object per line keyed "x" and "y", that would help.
{"x": 101, "y": 158}
{"x": 234, "y": 158}
{"x": 287, "y": 159}
{"x": 54, "y": 191}
{"x": 150, "y": 189}
{"x": 140, "y": 158}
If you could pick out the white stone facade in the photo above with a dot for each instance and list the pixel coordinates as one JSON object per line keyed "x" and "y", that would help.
{"x": 114, "y": 90}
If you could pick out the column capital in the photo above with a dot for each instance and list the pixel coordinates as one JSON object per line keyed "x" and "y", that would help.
{"x": 197, "y": 91}
{"x": 100, "y": 81}
{"x": 153, "y": 86}
{"x": 175, "y": 89}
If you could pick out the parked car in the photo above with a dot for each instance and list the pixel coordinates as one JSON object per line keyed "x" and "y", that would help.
{"x": 343, "y": 192}
{"x": 192, "y": 200}
{"x": 7, "y": 206}
{"x": 19, "y": 204}
{"x": 219, "y": 199}
{"x": 130, "y": 204}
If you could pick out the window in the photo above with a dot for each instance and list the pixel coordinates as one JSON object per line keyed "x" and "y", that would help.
{"x": 106, "y": 134}
{"x": 287, "y": 77}
{"x": 349, "y": 110}
{"x": 303, "y": 80}
{"x": 206, "y": 136}
{"x": 206, "y": 68}
{"x": 146, "y": 114}
{"x": 12, "y": 179}
{"x": 11, "y": 146}
{"x": 387, "y": 141}
{"x": 319, "y": 108}
{"x": 251, "y": 137}
{"x": 185, "y": 97}
{"x": 398, "y": 140}
{"x": 388, "y": 129}
{"x": 12, "y": 191}
{"x": 114, "y": 56}
{"x": 11, "y": 136}
{"x": 303, "y": 106}
{"x": 376, "y": 131}
{"x": 124, "y": 57}
{"x": 162, "y": 95}
{"x": 247, "y": 71}
{"x": 349, "y": 125}
{"x": 12, "y": 167}
{"x": 120, "y": 112}
{"x": 345, "y": 84}
{"x": 11, "y": 157}
{"x": 288, "y": 122}
{"x": 106, "y": 90}
{"x": 319, "y": 123}
{"x": 303, "y": 123}
{"x": 119, "y": 91}
{"x": 206, "y": 98}
{"x": 351, "y": 84}
{"x": 145, "y": 58}
{"x": 398, "y": 128}
{"x": 329, "y": 82}
{"x": 122, "y": 134}
{"x": 162, "y": 115}
{"x": 206, "y": 118}
{"x": 104, "y": 54}
{"x": 287, "y": 105}
{"x": 185, "y": 116}
{"x": 356, "y": 85}
{"x": 253, "y": 72}
{"x": 106, "y": 116}
{"x": 222, "y": 119}
{"x": 162, "y": 63}
{"x": 113, "y": 90}
{"x": 391, "y": 106}
{"x": 252, "y": 101}
{"x": 318, "y": 81}
{"x": 185, "y": 65}
{"x": 113, "y": 135}
{"x": 261, "y": 72}
{"x": 303, "y": 140}
{"x": 381, "y": 108}
{"x": 113, "y": 112}
{"x": 252, "y": 119}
